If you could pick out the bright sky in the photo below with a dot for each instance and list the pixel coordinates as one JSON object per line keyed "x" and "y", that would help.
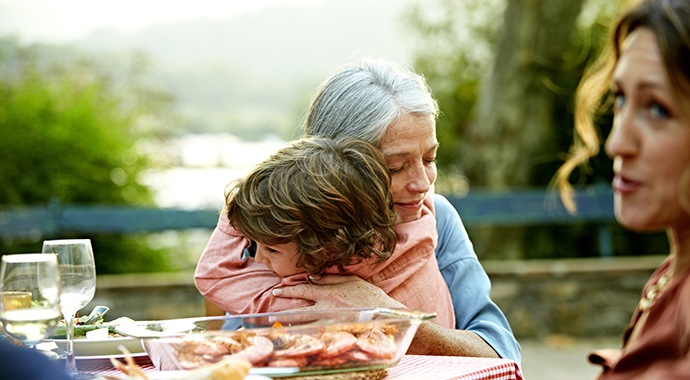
{"x": 65, "y": 20}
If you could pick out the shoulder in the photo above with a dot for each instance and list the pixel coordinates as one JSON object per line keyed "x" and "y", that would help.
{"x": 442, "y": 204}
{"x": 444, "y": 210}
{"x": 448, "y": 222}
{"x": 453, "y": 242}
{"x": 224, "y": 226}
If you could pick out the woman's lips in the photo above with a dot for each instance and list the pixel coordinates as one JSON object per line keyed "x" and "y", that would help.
{"x": 411, "y": 205}
{"x": 624, "y": 185}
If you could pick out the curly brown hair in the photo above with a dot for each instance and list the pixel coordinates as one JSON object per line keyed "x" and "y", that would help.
{"x": 669, "y": 20}
{"x": 332, "y": 198}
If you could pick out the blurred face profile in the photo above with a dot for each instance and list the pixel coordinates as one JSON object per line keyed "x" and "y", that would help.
{"x": 409, "y": 146}
{"x": 279, "y": 258}
{"x": 650, "y": 140}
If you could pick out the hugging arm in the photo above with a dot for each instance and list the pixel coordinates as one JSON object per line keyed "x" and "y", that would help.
{"x": 339, "y": 291}
{"x": 469, "y": 284}
{"x": 233, "y": 282}
{"x": 481, "y": 328}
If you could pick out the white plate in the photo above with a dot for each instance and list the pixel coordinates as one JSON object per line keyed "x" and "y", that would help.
{"x": 171, "y": 375}
{"x": 84, "y": 348}
{"x": 107, "y": 357}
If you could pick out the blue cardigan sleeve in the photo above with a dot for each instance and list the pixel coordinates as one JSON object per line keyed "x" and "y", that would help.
{"x": 469, "y": 284}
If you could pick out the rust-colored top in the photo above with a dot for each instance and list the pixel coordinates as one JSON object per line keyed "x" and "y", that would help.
{"x": 661, "y": 348}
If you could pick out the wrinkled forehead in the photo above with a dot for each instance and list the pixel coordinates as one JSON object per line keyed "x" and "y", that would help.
{"x": 409, "y": 133}
{"x": 640, "y": 54}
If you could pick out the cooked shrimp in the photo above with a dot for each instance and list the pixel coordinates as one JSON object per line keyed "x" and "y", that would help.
{"x": 216, "y": 346}
{"x": 336, "y": 360}
{"x": 356, "y": 355}
{"x": 131, "y": 369}
{"x": 333, "y": 346}
{"x": 257, "y": 349}
{"x": 228, "y": 369}
{"x": 296, "y": 361}
{"x": 336, "y": 343}
{"x": 295, "y": 345}
{"x": 377, "y": 343}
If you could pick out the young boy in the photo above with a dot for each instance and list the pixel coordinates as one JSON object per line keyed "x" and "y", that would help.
{"x": 321, "y": 206}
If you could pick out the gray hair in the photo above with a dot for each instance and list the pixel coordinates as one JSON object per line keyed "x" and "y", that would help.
{"x": 363, "y": 100}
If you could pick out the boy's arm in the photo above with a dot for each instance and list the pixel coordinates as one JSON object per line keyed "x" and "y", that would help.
{"x": 234, "y": 284}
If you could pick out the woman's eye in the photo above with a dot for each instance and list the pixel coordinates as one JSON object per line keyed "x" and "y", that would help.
{"x": 430, "y": 161}
{"x": 618, "y": 101}
{"x": 658, "y": 112}
{"x": 395, "y": 171}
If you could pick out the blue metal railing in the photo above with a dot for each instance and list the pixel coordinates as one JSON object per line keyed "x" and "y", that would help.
{"x": 517, "y": 208}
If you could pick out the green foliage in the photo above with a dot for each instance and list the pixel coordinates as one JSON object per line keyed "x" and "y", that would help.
{"x": 68, "y": 136}
{"x": 454, "y": 52}
{"x": 69, "y": 129}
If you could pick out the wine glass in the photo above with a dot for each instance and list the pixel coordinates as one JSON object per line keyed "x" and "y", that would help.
{"x": 78, "y": 277}
{"x": 30, "y": 307}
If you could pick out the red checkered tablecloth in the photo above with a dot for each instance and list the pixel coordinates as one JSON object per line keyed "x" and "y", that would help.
{"x": 411, "y": 367}
{"x": 105, "y": 368}
{"x": 454, "y": 367}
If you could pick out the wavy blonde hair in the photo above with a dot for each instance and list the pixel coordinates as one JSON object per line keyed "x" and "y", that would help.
{"x": 669, "y": 20}
{"x": 332, "y": 198}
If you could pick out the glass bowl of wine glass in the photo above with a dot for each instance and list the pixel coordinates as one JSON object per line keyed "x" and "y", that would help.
{"x": 30, "y": 306}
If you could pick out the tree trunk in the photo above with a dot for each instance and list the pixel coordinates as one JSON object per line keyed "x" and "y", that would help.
{"x": 513, "y": 125}
{"x": 515, "y": 107}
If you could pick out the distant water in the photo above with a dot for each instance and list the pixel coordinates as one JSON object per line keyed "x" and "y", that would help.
{"x": 207, "y": 164}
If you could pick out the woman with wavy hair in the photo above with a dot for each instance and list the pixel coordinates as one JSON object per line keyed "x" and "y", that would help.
{"x": 647, "y": 75}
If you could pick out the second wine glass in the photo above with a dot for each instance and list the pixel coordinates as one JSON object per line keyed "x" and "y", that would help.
{"x": 78, "y": 276}
{"x": 29, "y": 308}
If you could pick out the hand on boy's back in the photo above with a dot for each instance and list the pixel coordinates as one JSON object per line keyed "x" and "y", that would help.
{"x": 334, "y": 291}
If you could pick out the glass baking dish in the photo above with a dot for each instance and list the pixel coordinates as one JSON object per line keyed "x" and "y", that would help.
{"x": 296, "y": 343}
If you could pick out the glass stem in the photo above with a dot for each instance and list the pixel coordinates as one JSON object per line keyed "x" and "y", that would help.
{"x": 70, "y": 363}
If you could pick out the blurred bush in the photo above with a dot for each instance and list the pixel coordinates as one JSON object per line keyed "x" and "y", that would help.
{"x": 69, "y": 127}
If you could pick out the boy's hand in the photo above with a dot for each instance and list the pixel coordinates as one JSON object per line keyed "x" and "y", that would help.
{"x": 334, "y": 291}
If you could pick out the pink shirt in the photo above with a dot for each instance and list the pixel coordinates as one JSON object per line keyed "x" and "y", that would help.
{"x": 410, "y": 276}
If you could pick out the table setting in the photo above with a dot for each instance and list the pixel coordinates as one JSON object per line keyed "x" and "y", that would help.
{"x": 342, "y": 344}
{"x": 410, "y": 367}
{"x": 168, "y": 344}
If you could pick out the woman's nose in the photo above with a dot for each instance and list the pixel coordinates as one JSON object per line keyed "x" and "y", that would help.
{"x": 622, "y": 140}
{"x": 419, "y": 179}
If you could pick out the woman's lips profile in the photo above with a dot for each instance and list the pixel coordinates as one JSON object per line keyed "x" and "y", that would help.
{"x": 624, "y": 185}
{"x": 411, "y": 205}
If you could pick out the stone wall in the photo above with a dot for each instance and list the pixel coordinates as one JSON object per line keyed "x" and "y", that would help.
{"x": 578, "y": 297}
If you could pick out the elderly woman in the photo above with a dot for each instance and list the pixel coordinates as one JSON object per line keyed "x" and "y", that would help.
{"x": 392, "y": 108}
{"x": 648, "y": 76}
